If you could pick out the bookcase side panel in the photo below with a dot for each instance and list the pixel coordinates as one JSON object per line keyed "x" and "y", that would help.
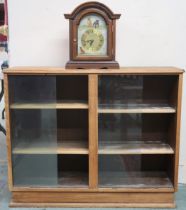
{"x": 178, "y": 121}
{"x": 8, "y": 132}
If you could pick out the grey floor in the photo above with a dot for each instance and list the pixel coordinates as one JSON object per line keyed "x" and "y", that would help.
{"x": 5, "y": 195}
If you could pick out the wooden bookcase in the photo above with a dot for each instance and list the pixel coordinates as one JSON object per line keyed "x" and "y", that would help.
{"x": 93, "y": 138}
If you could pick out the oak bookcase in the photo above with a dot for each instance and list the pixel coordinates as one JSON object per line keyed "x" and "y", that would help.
{"x": 93, "y": 138}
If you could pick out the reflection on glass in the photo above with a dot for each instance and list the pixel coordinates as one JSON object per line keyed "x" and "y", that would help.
{"x": 120, "y": 90}
{"x": 44, "y": 90}
{"x": 50, "y": 170}
{"x": 34, "y": 131}
{"x": 32, "y": 89}
{"x": 133, "y": 171}
{"x": 134, "y": 90}
{"x": 133, "y": 127}
{"x": 35, "y": 170}
{"x": 34, "y": 142}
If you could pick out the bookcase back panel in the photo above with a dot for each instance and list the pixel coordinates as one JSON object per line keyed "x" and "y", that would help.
{"x": 72, "y": 88}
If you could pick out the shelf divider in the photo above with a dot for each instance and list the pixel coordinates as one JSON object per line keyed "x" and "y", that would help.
{"x": 93, "y": 130}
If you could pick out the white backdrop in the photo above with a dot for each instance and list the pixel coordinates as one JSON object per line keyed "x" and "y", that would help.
{"x": 149, "y": 33}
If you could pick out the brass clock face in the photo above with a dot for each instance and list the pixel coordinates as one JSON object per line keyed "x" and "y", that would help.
{"x": 92, "y": 40}
{"x": 92, "y": 36}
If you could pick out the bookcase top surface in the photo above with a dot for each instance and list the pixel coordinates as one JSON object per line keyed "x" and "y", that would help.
{"x": 122, "y": 70}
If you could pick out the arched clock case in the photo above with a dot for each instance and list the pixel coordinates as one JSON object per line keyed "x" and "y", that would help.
{"x": 92, "y": 37}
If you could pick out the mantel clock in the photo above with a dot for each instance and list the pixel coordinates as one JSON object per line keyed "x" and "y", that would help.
{"x": 92, "y": 37}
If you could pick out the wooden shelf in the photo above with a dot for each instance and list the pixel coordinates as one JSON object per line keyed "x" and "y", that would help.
{"x": 76, "y": 147}
{"x": 51, "y": 105}
{"x": 134, "y": 147}
{"x": 137, "y": 108}
{"x": 130, "y": 179}
{"x": 44, "y": 147}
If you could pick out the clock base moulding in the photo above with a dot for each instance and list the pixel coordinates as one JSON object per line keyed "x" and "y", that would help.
{"x": 92, "y": 65}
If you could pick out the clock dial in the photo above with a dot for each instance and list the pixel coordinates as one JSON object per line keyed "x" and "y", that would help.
{"x": 92, "y": 36}
{"x": 92, "y": 40}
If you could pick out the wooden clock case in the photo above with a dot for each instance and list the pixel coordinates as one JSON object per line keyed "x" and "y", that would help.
{"x": 92, "y": 62}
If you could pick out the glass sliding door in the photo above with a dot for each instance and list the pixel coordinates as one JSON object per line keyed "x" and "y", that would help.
{"x": 49, "y": 130}
{"x": 34, "y": 130}
{"x": 135, "y": 113}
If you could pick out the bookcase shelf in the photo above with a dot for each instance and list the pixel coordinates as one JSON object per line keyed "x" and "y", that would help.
{"x": 51, "y": 105}
{"x": 44, "y": 147}
{"x": 139, "y": 108}
{"x": 93, "y": 137}
{"x": 134, "y": 147}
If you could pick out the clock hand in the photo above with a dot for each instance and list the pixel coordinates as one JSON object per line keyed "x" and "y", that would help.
{"x": 91, "y": 42}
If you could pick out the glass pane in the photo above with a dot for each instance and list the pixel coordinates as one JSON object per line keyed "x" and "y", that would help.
{"x": 50, "y": 170}
{"x": 35, "y": 170}
{"x": 138, "y": 171}
{"x": 34, "y": 146}
{"x": 32, "y": 89}
{"x": 130, "y": 91}
{"x": 92, "y": 36}
{"x": 133, "y": 127}
{"x": 48, "y": 137}
{"x": 44, "y": 90}
{"x": 135, "y": 144}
